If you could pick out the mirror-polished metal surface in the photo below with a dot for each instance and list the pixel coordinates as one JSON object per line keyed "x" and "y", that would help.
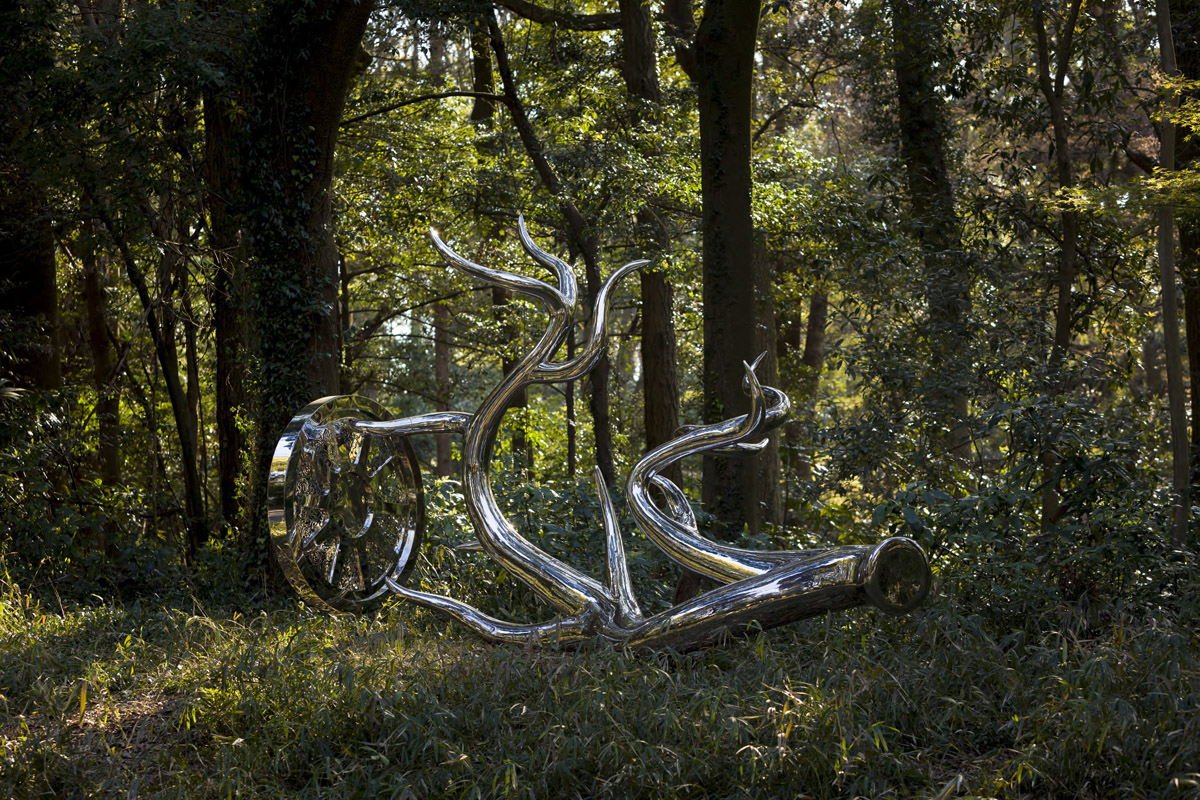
{"x": 763, "y": 589}
{"x": 346, "y": 509}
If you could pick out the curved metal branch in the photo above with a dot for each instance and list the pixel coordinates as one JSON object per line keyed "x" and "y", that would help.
{"x": 568, "y": 287}
{"x": 558, "y": 583}
{"x": 618, "y": 567}
{"x": 677, "y": 536}
{"x": 521, "y": 284}
{"x": 597, "y": 330}
{"x": 565, "y": 630}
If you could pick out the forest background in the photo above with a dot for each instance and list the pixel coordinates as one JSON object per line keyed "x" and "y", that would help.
{"x": 965, "y": 235}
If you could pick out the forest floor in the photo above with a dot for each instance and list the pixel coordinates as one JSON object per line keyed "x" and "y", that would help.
{"x": 172, "y": 699}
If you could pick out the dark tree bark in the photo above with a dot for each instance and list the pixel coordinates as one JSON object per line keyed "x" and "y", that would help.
{"x": 660, "y": 379}
{"x": 1052, "y": 86}
{"x": 441, "y": 367}
{"x": 271, "y": 210}
{"x": 724, "y": 51}
{"x": 108, "y": 399}
{"x": 28, "y": 280}
{"x": 583, "y": 243}
{"x": 160, "y": 324}
{"x": 230, "y": 329}
{"x": 812, "y": 361}
{"x": 28, "y": 271}
{"x": 917, "y": 35}
{"x": 1180, "y": 480}
{"x": 1185, "y": 23}
{"x": 510, "y": 336}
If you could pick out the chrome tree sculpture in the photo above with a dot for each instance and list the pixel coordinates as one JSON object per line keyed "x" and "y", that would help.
{"x": 347, "y": 509}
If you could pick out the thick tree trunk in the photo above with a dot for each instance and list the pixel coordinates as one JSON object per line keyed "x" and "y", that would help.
{"x": 29, "y": 318}
{"x": 298, "y": 85}
{"x": 917, "y": 33}
{"x": 28, "y": 279}
{"x": 724, "y": 51}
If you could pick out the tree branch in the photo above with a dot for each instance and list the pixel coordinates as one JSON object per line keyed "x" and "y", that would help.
{"x": 1143, "y": 161}
{"x": 419, "y": 99}
{"x": 563, "y": 19}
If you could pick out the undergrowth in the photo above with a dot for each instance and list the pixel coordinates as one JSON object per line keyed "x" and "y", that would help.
{"x": 161, "y": 700}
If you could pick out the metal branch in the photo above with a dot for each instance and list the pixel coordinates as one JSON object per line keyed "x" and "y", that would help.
{"x": 597, "y": 331}
{"x": 618, "y": 567}
{"x": 565, "y": 630}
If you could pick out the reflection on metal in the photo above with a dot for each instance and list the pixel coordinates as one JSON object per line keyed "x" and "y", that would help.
{"x": 345, "y": 508}
{"x": 315, "y": 521}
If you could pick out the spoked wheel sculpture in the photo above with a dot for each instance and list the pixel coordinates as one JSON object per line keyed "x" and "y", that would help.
{"x": 347, "y": 510}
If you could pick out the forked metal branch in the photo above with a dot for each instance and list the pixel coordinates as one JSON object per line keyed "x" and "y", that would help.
{"x": 762, "y": 588}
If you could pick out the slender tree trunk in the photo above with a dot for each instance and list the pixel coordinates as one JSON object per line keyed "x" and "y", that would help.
{"x": 1052, "y": 87}
{"x": 441, "y": 368}
{"x": 660, "y": 380}
{"x": 583, "y": 242}
{"x": 812, "y": 362}
{"x": 917, "y": 34}
{"x": 108, "y": 399}
{"x": 1185, "y": 23}
{"x": 509, "y": 335}
{"x": 161, "y": 327}
{"x": 724, "y": 51}
{"x": 766, "y": 504}
{"x": 1180, "y": 484}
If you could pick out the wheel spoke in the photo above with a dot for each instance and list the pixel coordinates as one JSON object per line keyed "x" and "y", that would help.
{"x": 334, "y": 551}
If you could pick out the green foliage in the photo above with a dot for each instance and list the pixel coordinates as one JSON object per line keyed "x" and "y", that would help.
{"x": 66, "y": 537}
{"x": 170, "y": 701}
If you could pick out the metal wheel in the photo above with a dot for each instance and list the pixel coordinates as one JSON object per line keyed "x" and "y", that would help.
{"x": 346, "y": 508}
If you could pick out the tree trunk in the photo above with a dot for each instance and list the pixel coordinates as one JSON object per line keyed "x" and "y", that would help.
{"x": 1180, "y": 483}
{"x": 1052, "y": 87}
{"x": 29, "y": 316}
{"x": 812, "y": 362}
{"x": 230, "y": 329}
{"x": 108, "y": 399}
{"x": 1185, "y": 24}
{"x": 298, "y": 84}
{"x": 724, "y": 51}
{"x": 660, "y": 380}
{"x": 28, "y": 279}
{"x": 766, "y": 504}
{"x": 441, "y": 368}
{"x": 509, "y": 335}
{"x": 917, "y": 35}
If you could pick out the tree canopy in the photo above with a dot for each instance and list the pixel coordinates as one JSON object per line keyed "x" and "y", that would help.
{"x": 939, "y": 222}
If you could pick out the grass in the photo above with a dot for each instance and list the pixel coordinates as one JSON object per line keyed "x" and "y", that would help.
{"x": 158, "y": 699}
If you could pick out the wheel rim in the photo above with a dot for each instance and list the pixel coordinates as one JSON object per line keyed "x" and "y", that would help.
{"x": 346, "y": 508}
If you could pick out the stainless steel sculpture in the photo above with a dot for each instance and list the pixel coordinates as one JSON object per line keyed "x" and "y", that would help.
{"x": 347, "y": 510}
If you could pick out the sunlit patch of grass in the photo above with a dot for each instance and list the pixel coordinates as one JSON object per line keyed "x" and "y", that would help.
{"x": 158, "y": 700}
